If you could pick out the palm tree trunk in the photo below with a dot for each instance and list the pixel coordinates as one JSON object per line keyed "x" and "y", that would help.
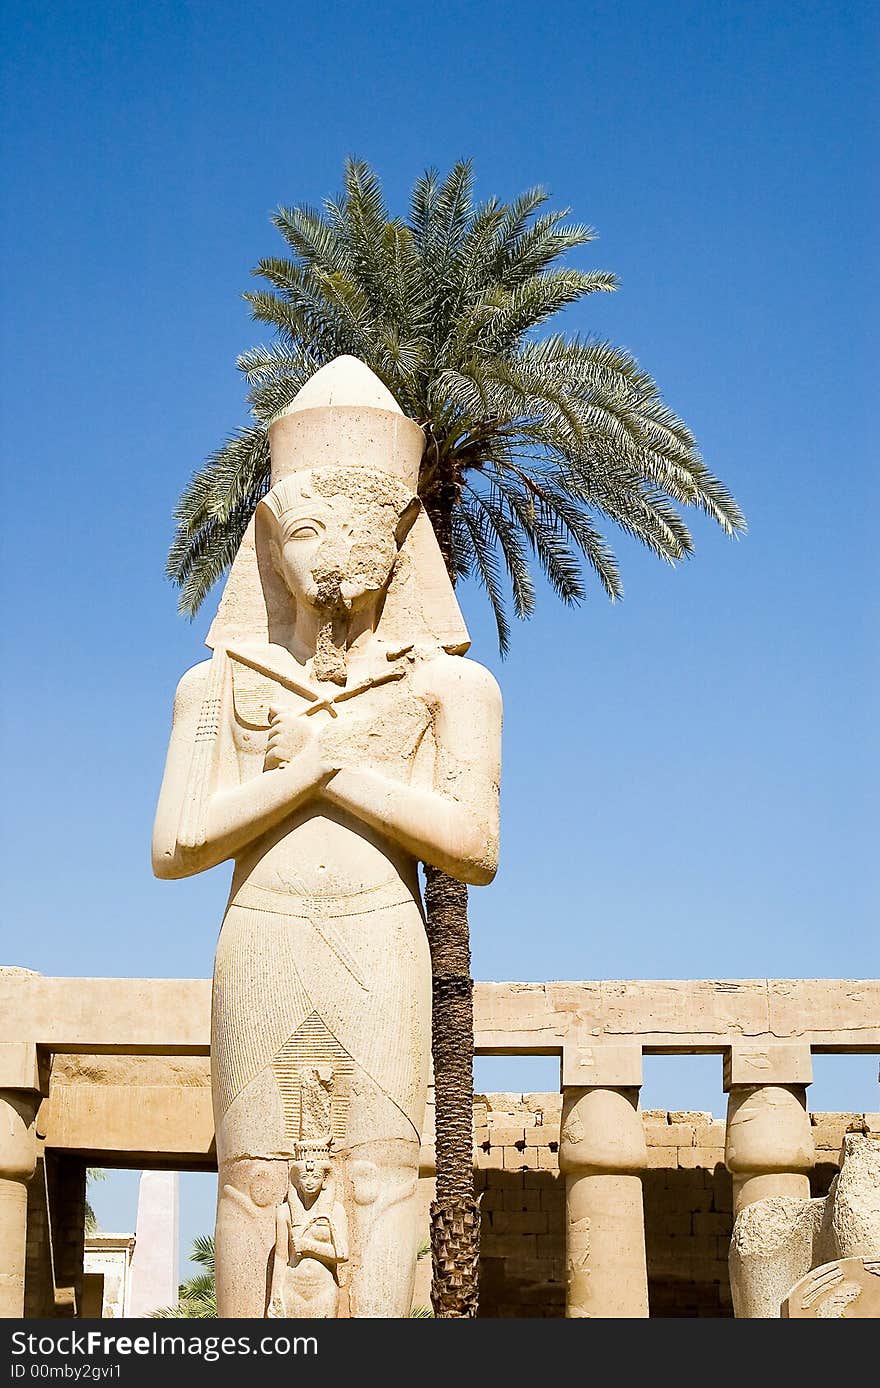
{"x": 455, "y": 1213}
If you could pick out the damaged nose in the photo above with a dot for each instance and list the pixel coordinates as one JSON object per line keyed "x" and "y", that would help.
{"x": 330, "y": 590}
{"x": 329, "y": 572}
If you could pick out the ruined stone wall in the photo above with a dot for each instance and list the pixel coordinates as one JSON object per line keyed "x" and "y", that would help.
{"x": 688, "y": 1214}
{"x": 522, "y": 1263}
{"x": 688, "y": 1206}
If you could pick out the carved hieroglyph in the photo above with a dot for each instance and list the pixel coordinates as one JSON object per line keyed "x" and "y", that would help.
{"x": 779, "y": 1240}
{"x": 847, "y": 1289}
{"x": 334, "y": 739}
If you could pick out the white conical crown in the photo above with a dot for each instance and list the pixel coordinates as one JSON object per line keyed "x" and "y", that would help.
{"x": 343, "y": 381}
{"x": 345, "y": 417}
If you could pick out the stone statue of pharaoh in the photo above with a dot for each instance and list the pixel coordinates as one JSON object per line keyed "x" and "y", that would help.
{"x": 335, "y": 739}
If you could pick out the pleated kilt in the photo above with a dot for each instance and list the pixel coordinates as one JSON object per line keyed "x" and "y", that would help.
{"x": 301, "y": 980}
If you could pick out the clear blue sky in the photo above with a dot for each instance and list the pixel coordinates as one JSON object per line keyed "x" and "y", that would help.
{"x": 689, "y": 782}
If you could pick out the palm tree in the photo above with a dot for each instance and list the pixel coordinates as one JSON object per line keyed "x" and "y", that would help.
{"x": 90, "y": 1222}
{"x": 533, "y": 444}
{"x": 197, "y": 1297}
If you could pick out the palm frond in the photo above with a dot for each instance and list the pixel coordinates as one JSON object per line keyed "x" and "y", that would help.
{"x": 485, "y": 568}
{"x": 202, "y": 1252}
{"x": 197, "y": 1296}
{"x": 547, "y": 440}
{"x": 509, "y": 537}
{"x": 213, "y": 514}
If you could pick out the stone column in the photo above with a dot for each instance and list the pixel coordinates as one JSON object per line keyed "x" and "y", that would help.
{"x": 19, "y": 1100}
{"x": 601, "y": 1155}
{"x": 769, "y": 1146}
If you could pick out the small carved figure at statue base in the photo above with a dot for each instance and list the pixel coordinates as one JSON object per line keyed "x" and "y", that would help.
{"x": 311, "y": 1243}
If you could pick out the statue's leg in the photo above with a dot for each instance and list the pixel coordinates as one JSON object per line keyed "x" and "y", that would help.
{"x": 382, "y": 1172}
{"x": 248, "y": 1192}
{"x": 384, "y": 1179}
{"x": 313, "y": 1293}
{"x": 252, "y": 1182}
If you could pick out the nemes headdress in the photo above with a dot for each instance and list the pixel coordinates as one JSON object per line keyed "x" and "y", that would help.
{"x": 344, "y": 418}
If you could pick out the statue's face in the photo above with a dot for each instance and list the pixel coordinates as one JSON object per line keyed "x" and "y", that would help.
{"x": 337, "y": 536}
{"x": 308, "y": 1176}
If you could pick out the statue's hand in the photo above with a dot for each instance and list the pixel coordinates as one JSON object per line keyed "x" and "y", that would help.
{"x": 289, "y": 734}
{"x": 342, "y": 744}
{"x": 295, "y": 738}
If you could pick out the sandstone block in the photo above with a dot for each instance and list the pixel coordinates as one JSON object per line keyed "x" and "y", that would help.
{"x": 671, "y": 1225}
{"x": 539, "y": 1136}
{"x": 692, "y": 1157}
{"x": 507, "y": 1136}
{"x": 711, "y": 1224}
{"x": 660, "y": 1157}
{"x": 527, "y": 1222}
{"x": 669, "y": 1135}
{"x": 534, "y": 1179}
{"x": 513, "y": 1159}
{"x": 514, "y": 1246}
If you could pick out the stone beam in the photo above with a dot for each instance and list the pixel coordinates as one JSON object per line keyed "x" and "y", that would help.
{"x": 132, "y": 1110}
{"x": 669, "y": 1017}
{"x": 128, "y": 1016}
{"x": 134, "y": 1126}
{"x": 172, "y": 1016}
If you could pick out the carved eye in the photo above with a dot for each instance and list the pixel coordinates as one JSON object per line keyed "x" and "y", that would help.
{"x": 306, "y": 530}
